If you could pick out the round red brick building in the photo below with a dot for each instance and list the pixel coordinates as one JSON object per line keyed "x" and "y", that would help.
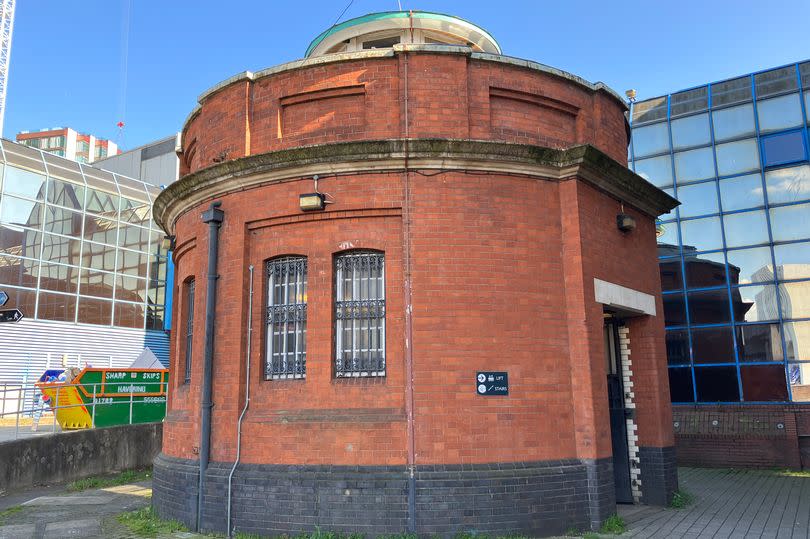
{"x": 416, "y": 291}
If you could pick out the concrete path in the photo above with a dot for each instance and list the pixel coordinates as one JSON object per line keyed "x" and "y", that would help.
{"x": 12, "y": 432}
{"x": 728, "y": 504}
{"x": 54, "y": 513}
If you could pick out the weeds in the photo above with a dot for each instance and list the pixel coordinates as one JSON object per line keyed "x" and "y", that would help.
{"x": 614, "y": 524}
{"x": 5, "y": 513}
{"x": 145, "y": 523}
{"x": 681, "y": 499}
{"x": 103, "y": 481}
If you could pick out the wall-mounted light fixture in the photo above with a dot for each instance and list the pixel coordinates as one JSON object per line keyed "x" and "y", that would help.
{"x": 168, "y": 243}
{"x": 312, "y": 201}
{"x": 625, "y": 223}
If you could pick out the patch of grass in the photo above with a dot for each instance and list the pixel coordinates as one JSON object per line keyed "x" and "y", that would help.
{"x": 681, "y": 499}
{"x": 614, "y": 524}
{"x": 103, "y": 481}
{"x": 590, "y": 535}
{"x": 785, "y": 472}
{"x": 145, "y": 523}
{"x": 5, "y": 513}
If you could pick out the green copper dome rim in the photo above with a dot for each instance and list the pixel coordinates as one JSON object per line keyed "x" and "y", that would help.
{"x": 394, "y": 15}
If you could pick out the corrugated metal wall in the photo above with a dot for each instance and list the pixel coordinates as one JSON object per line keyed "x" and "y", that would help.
{"x": 25, "y": 347}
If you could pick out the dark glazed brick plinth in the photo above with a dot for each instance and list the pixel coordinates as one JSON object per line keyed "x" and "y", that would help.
{"x": 532, "y": 498}
{"x": 659, "y": 474}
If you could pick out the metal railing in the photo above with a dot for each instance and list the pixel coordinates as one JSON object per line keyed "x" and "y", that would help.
{"x": 22, "y": 407}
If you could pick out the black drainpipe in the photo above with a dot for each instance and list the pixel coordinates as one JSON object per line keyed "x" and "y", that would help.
{"x": 213, "y": 217}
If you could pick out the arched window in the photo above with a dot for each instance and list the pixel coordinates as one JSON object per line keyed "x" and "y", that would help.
{"x": 286, "y": 318}
{"x": 360, "y": 314}
{"x": 189, "y": 311}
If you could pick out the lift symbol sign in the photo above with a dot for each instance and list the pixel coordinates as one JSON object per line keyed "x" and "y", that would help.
{"x": 492, "y": 383}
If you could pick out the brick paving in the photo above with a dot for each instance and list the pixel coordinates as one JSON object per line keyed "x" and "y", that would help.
{"x": 729, "y": 504}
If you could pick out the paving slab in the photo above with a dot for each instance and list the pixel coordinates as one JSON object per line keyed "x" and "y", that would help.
{"x": 729, "y": 503}
{"x": 86, "y": 527}
{"x": 95, "y": 499}
{"x": 17, "y": 531}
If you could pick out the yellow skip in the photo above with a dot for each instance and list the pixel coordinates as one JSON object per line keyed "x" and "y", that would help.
{"x": 72, "y": 413}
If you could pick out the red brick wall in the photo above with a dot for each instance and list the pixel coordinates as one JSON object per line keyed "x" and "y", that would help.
{"x": 450, "y": 96}
{"x": 502, "y": 272}
{"x": 745, "y": 436}
{"x": 490, "y": 292}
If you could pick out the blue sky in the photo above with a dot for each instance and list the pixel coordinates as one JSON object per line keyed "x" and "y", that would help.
{"x": 66, "y": 61}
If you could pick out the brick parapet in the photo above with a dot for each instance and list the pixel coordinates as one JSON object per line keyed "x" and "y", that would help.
{"x": 360, "y": 96}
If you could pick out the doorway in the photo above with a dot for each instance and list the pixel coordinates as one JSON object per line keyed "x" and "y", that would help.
{"x": 618, "y": 416}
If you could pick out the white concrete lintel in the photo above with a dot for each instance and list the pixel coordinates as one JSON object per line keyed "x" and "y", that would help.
{"x": 624, "y": 299}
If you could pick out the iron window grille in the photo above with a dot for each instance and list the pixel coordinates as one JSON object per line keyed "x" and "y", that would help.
{"x": 286, "y": 318}
{"x": 189, "y": 326}
{"x": 360, "y": 314}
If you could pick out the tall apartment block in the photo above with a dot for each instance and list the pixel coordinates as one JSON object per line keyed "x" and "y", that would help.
{"x": 68, "y": 143}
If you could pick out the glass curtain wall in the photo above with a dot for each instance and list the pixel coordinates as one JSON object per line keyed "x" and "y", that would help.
{"x": 78, "y": 244}
{"x": 735, "y": 256}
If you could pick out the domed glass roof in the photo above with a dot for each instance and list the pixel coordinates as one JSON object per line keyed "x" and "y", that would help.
{"x": 380, "y": 30}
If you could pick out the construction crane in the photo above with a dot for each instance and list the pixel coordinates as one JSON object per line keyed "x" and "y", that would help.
{"x": 6, "y": 28}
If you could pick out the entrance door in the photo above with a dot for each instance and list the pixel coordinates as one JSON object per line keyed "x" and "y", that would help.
{"x": 618, "y": 425}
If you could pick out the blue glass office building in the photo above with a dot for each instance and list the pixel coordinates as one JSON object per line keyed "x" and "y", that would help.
{"x": 735, "y": 256}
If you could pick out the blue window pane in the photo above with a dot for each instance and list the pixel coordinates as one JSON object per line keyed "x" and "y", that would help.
{"x": 783, "y": 148}
{"x": 657, "y": 170}
{"x": 677, "y": 347}
{"x": 670, "y": 270}
{"x": 674, "y": 310}
{"x": 698, "y": 199}
{"x": 734, "y": 122}
{"x": 709, "y": 306}
{"x": 737, "y": 157}
{"x": 754, "y": 303}
{"x": 680, "y": 385}
{"x": 807, "y": 105}
{"x": 747, "y": 266}
{"x": 797, "y": 342}
{"x": 792, "y": 260}
{"x": 650, "y": 139}
{"x": 667, "y": 233}
{"x": 717, "y": 384}
{"x": 713, "y": 345}
{"x": 24, "y": 183}
{"x": 764, "y": 383}
{"x": 749, "y": 228}
{"x": 701, "y": 234}
{"x": 794, "y": 299}
{"x": 705, "y": 270}
{"x": 759, "y": 342}
{"x": 694, "y": 165}
{"x": 691, "y": 131}
{"x": 799, "y": 376}
{"x": 18, "y": 211}
{"x": 742, "y": 192}
{"x": 779, "y": 113}
{"x": 788, "y": 184}
{"x": 790, "y": 222}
